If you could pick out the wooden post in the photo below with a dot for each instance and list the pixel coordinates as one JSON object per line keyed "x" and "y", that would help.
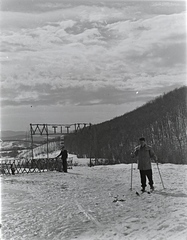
{"x": 32, "y": 153}
{"x": 47, "y": 142}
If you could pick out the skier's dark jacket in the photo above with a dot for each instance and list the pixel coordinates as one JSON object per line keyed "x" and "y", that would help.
{"x": 63, "y": 154}
{"x": 144, "y": 154}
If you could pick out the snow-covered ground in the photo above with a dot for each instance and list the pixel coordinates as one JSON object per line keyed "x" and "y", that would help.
{"x": 82, "y": 205}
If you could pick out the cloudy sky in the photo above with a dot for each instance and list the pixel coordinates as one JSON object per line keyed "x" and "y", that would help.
{"x": 68, "y": 61}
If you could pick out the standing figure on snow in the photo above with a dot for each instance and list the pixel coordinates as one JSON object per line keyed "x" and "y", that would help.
{"x": 144, "y": 153}
{"x": 13, "y": 168}
{"x": 64, "y": 156}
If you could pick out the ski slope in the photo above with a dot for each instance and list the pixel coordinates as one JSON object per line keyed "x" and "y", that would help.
{"x": 82, "y": 205}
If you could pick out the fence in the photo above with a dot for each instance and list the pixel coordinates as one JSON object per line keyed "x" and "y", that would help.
{"x": 17, "y": 166}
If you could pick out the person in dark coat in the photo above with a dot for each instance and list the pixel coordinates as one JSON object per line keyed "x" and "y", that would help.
{"x": 13, "y": 168}
{"x": 144, "y": 153}
{"x": 64, "y": 156}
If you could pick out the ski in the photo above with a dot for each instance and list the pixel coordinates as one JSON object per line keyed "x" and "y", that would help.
{"x": 118, "y": 200}
{"x": 148, "y": 192}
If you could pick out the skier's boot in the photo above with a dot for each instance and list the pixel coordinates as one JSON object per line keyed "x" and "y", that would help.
{"x": 152, "y": 188}
{"x": 143, "y": 189}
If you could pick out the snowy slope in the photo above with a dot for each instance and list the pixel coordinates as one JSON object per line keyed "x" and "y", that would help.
{"x": 80, "y": 205}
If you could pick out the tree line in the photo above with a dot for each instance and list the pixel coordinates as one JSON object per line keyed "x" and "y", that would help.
{"x": 161, "y": 121}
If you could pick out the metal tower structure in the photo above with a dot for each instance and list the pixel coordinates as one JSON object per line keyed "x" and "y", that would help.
{"x": 54, "y": 130}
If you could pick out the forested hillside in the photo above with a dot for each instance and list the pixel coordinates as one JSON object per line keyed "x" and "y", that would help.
{"x": 161, "y": 121}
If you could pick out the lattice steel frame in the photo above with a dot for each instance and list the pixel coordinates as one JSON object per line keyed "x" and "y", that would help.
{"x": 55, "y": 130}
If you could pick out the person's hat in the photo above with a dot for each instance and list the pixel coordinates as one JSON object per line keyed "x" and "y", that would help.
{"x": 142, "y": 139}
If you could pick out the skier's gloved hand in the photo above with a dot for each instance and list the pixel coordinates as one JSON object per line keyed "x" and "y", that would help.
{"x": 137, "y": 148}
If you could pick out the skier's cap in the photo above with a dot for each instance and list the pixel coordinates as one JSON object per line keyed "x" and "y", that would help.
{"x": 142, "y": 139}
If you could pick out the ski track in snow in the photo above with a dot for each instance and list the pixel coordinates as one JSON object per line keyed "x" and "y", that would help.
{"x": 79, "y": 205}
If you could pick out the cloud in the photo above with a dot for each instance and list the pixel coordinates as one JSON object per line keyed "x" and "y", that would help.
{"x": 88, "y": 92}
{"x": 88, "y": 54}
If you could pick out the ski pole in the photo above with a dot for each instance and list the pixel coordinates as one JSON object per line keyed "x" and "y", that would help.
{"x": 160, "y": 176}
{"x": 132, "y": 156}
{"x": 131, "y": 175}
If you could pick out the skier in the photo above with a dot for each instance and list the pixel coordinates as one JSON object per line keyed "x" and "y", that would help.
{"x": 13, "y": 168}
{"x": 144, "y": 153}
{"x": 64, "y": 156}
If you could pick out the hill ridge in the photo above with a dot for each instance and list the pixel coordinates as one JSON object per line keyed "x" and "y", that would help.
{"x": 161, "y": 121}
